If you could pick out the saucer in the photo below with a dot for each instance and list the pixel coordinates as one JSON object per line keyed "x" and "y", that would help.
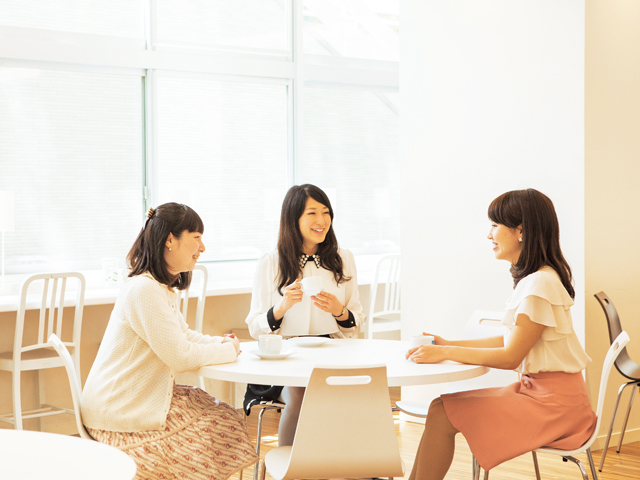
{"x": 309, "y": 341}
{"x": 272, "y": 356}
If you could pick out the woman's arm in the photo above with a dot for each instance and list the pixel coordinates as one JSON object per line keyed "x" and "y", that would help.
{"x": 262, "y": 297}
{"x": 352, "y": 295}
{"x": 148, "y": 311}
{"x": 523, "y": 337}
{"x": 488, "y": 342}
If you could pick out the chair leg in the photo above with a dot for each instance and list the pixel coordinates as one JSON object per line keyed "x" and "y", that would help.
{"x": 579, "y": 464}
{"x": 486, "y": 475}
{"x": 41, "y": 398}
{"x": 613, "y": 419}
{"x": 476, "y": 469}
{"x": 535, "y": 464}
{"x": 592, "y": 466}
{"x": 626, "y": 418}
{"x": 258, "y": 440}
{"x": 263, "y": 470}
{"x": 17, "y": 406}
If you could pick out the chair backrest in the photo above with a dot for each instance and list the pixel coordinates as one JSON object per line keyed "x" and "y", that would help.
{"x": 388, "y": 273}
{"x": 627, "y": 367}
{"x": 614, "y": 351}
{"x": 74, "y": 383}
{"x": 51, "y": 307}
{"x": 483, "y": 324}
{"x": 199, "y": 279}
{"x": 344, "y": 407}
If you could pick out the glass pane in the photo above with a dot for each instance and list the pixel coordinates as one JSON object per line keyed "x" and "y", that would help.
{"x": 353, "y": 28}
{"x": 122, "y": 18}
{"x": 260, "y": 24}
{"x": 222, "y": 150}
{"x": 350, "y": 149}
{"x": 71, "y": 152}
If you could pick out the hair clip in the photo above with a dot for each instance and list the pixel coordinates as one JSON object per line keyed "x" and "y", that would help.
{"x": 184, "y": 206}
{"x": 151, "y": 212}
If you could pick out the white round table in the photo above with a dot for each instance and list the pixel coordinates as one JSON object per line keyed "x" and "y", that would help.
{"x": 295, "y": 370}
{"x": 26, "y": 455}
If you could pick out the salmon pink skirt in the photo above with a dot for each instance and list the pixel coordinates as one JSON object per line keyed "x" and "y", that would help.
{"x": 548, "y": 409}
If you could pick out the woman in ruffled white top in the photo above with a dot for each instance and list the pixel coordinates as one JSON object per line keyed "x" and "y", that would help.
{"x": 307, "y": 247}
{"x": 550, "y": 405}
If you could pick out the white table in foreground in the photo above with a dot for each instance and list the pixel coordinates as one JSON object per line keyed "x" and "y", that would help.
{"x": 295, "y": 370}
{"x": 28, "y": 455}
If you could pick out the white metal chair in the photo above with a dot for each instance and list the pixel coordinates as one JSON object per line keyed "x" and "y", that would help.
{"x": 343, "y": 407}
{"x": 263, "y": 406}
{"x": 76, "y": 391}
{"x": 40, "y": 355}
{"x": 625, "y": 366}
{"x": 388, "y": 319}
{"x": 614, "y": 350}
{"x": 201, "y": 272}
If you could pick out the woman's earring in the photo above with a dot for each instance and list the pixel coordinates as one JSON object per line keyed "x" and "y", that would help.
{"x": 520, "y": 240}
{"x": 170, "y": 247}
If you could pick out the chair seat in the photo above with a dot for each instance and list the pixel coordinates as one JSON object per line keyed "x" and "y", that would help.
{"x": 278, "y": 461}
{"x": 415, "y": 408}
{"x": 386, "y": 323}
{"x": 33, "y": 359}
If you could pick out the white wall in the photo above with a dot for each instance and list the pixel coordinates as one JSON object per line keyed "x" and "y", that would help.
{"x": 492, "y": 99}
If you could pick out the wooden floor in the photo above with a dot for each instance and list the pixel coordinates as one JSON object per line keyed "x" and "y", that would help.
{"x": 625, "y": 465}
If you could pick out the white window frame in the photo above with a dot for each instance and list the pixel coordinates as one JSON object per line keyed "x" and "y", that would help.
{"x": 144, "y": 57}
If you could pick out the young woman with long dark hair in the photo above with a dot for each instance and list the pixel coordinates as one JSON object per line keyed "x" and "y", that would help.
{"x": 130, "y": 399}
{"x": 307, "y": 246}
{"x": 550, "y": 405}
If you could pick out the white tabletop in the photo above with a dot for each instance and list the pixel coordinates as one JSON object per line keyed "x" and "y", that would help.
{"x": 295, "y": 370}
{"x": 26, "y": 455}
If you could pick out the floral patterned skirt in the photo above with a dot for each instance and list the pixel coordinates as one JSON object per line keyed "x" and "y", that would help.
{"x": 203, "y": 439}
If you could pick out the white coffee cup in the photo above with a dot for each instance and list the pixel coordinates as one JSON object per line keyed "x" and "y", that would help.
{"x": 270, "y": 343}
{"x": 417, "y": 340}
{"x": 312, "y": 285}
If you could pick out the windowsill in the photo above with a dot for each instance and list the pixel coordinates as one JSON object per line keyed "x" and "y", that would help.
{"x": 238, "y": 279}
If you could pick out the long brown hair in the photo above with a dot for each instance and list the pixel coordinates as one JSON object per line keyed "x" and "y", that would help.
{"x": 290, "y": 237}
{"x": 540, "y": 233}
{"x": 147, "y": 252}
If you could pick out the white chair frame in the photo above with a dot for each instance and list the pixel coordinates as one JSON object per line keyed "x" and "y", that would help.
{"x": 39, "y": 356}
{"x": 387, "y": 319}
{"x": 343, "y": 407}
{"x": 74, "y": 384}
{"x": 202, "y": 297}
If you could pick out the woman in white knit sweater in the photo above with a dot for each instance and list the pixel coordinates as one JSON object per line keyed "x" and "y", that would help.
{"x": 130, "y": 400}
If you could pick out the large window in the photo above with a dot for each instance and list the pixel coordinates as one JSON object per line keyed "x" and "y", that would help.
{"x": 107, "y": 108}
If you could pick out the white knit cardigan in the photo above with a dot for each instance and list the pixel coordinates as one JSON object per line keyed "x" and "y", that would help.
{"x": 146, "y": 343}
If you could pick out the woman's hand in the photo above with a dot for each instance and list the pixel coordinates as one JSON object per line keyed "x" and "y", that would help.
{"x": 437, "y": 340}
{"x": 328, "y": 302}
{"x": 426, "y": 354}
{"x": 231, "y": 338}
{"x": 292, "y": 295}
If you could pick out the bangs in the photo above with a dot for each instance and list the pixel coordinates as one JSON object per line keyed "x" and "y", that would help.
{"x": 319, "y": 196}
{"x": 191, "y": 222}
{"x": 506, "y": 210}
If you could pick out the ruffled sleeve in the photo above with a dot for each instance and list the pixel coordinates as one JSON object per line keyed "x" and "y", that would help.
{"x": 542, "y": 297}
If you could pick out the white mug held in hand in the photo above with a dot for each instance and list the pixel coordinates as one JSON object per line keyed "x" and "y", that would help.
{"x": 312, "y": 285}
{"x": 270, "y": 343}
{"x": 417, "y": 340}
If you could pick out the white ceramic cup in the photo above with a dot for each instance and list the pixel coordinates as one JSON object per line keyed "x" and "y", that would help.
{"x": 312, "y": 285}
{"x": 417, "y": 340}
{"x": 270, "y": 343}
